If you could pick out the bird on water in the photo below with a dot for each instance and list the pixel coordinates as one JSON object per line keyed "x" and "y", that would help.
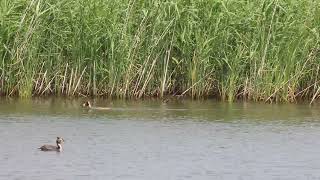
{"x": 87, "y": 104}
{"x": 57, "y": 148}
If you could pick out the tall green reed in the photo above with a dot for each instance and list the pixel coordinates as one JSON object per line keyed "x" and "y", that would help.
{"x": 259, "y": 50}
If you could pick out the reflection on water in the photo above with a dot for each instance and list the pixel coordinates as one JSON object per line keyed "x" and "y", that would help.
{"x": 150, "y": 140}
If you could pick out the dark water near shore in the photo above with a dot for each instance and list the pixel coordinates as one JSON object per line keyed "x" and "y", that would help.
{"x": 146, "y": 140}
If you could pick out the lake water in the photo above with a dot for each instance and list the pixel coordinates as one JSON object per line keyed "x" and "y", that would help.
{"x": 149, "y": 140}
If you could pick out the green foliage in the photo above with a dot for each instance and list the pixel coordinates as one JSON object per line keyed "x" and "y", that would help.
{"x": 232, "y": 49}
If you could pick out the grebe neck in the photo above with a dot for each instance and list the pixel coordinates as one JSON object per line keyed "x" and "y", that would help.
{"x": 59, "y": 147}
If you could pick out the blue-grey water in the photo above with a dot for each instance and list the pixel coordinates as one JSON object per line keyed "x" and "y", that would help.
{"x": 149, "y": 140}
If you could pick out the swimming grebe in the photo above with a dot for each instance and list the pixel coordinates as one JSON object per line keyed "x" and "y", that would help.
{"x": 57, "y": 148}
{"x": 88, "y": 104}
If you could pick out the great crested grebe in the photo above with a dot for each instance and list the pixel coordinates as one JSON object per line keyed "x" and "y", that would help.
{"x": 57, "y": 148}
{"x": 88, "y": 105}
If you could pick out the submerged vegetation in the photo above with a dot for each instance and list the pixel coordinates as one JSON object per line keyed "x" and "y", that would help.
{"x": 261, "y": 50}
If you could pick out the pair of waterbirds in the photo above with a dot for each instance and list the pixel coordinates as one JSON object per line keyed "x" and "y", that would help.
{"x": 60, "y": 140}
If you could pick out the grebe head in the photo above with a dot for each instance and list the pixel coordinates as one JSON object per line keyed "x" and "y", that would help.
{"x": 59, "y": 140}
{"x": 87, "y": 104}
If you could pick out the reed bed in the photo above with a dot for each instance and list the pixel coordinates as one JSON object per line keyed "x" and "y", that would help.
{"x": 260, "y": 50}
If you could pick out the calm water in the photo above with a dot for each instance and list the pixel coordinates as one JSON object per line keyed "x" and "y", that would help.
{"x": 148, "y": 140}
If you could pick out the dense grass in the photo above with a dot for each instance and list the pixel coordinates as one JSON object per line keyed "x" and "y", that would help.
{"x": 231, "y": 49}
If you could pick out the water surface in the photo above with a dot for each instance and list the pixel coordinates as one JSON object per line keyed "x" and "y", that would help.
{"x": 146, "y": 140}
